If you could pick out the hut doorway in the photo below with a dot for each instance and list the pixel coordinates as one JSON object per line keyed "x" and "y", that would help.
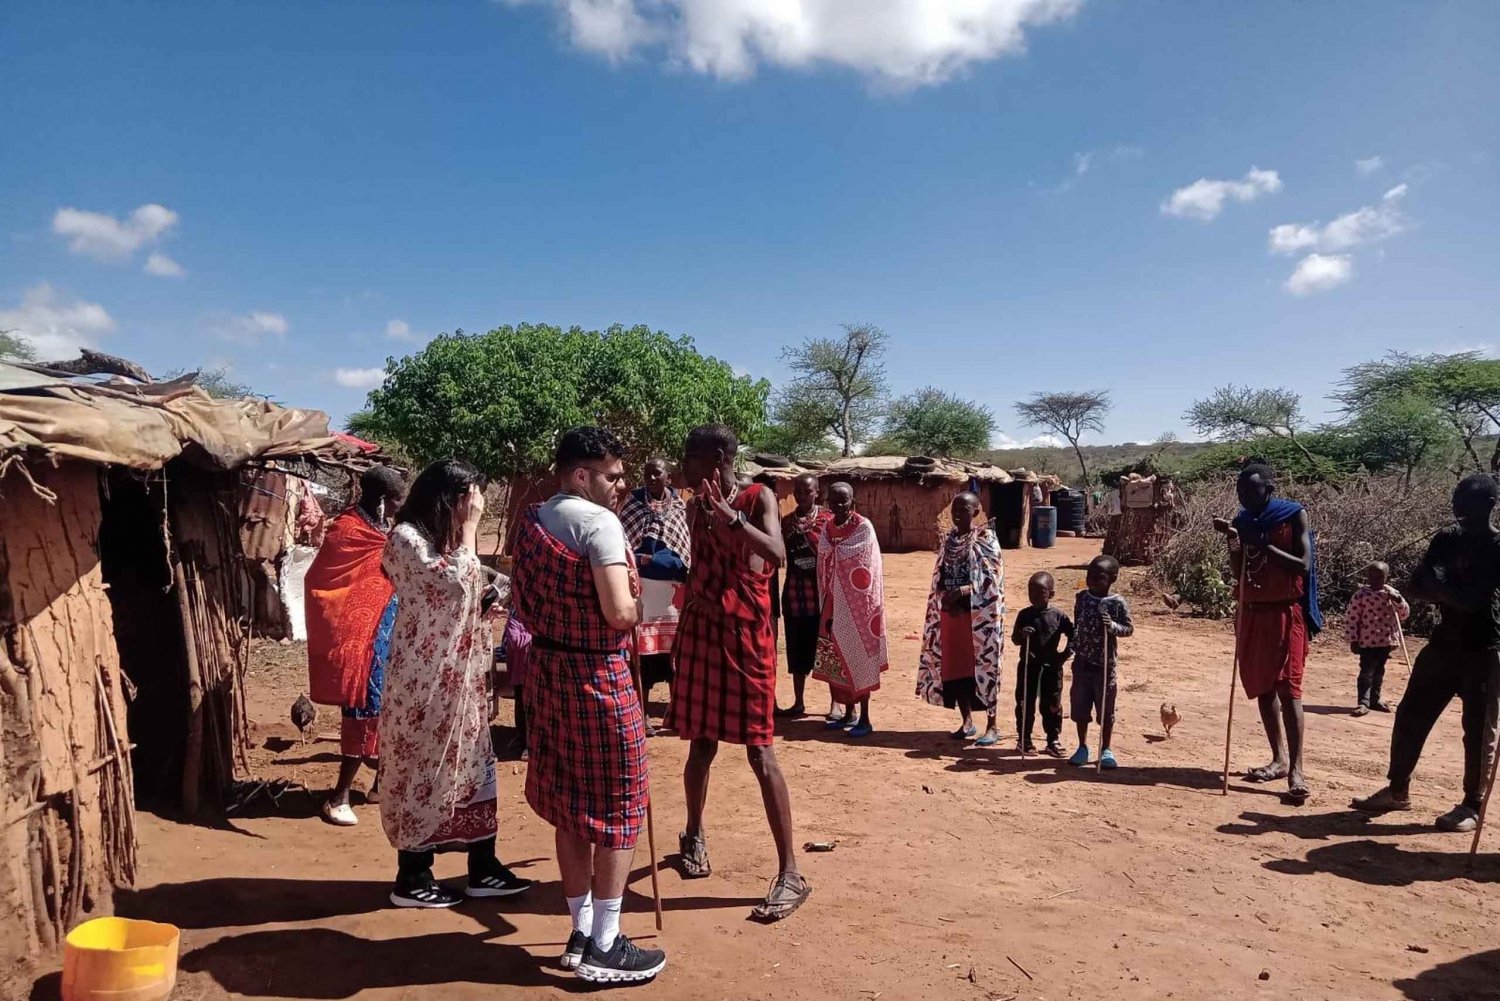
{"x": 1009, "y": 509}
{"x": 148, "y": 630}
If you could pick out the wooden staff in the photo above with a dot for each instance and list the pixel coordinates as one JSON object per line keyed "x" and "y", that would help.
{"x": 1103, "y": 695}
{"x": 1401, "y": 635}
{"x": 1025, "y": 694}
{"x": 1234, "y": 673}
{"x": 1484, "y": 805}
{"x": 640, "y": 691}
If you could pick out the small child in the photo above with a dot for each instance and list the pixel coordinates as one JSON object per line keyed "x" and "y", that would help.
{"x": 1039, "y": 630}
{"x": 1099, "y": 618}
{"x": 1373, "y": 626}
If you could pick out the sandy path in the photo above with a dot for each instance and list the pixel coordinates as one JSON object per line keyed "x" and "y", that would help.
{"x": 954, "y": 868}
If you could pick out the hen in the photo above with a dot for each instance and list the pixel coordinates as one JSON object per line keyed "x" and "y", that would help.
{"x": 1169, "y": 717}
{"x": 304, "y": 715}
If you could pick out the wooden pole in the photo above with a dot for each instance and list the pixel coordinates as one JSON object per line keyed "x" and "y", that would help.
{"x": 1401, "y": 635}
{"x": 640, "y": 692}
{"x": 1234, "y": 672}
{"x": 1484, "y": 804}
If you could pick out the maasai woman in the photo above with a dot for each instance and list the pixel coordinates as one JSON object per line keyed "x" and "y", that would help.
{"x": 964, "y": 638}
{"x": 800, "y": 531}
{"x": 437, "y": 775}
{"x": 656, "y": 523}
{"x": 351, "y": 611}
{"x": 851, "y": 639}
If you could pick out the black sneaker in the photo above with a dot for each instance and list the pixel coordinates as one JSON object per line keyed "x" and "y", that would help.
{"x": 625, "y": 963}
{"x": 500, "y": 883}
{"x": 428, "y": 894}
{"x": 573, "y": 951}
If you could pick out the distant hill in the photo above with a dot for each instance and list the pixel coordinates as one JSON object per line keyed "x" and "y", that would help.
{"x": 1062, "y": 462}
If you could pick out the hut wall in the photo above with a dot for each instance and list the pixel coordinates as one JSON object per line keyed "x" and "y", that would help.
{"x": 66, "y": 820}
{"x": 264, "y": 530}
{"x": 909, "y": 514}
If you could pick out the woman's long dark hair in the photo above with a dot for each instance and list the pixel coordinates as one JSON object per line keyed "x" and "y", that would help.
{"x": 432, "y": 502}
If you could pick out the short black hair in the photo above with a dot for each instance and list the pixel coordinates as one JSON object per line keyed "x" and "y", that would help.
{"x": 1108, "y": 564}
{"x": 585, "y": 444}
{"x": 712, "y": 438}
{"x": 1266, "y": 473}
{"x": 1478, "y": 485}
{"x": 808, "y": 478}
{"x": 379, "y": 482}
{"x": 1042, "y": 577}
{"x": 841, "y": 483}
{"x": 658, "y": 460}
{"x": 968, "y": 495}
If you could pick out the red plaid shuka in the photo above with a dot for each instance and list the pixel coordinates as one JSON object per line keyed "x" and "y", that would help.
{"x": 799, "y": 595}
{"x": 586, "y": 735}
{"x": 726, "y": 653}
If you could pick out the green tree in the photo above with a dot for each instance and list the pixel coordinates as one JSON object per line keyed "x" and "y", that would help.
{"x": 844, "y": 378}
{"x": 215, "y": 382}
{"x": 13, "y": 347}
{"x": 500, "y": 399}
{"x": 932, "y": 422}
{"x": 1070, "y": 414}
{"x": 798, "y": 427}
{"x": 1237, "y": 413}
{"x": 1463, "y": 388}
{"x": 1402, "y": 432}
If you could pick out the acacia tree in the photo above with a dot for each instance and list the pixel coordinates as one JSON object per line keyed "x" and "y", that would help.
{"x": 1072, "y": 415}
{"x": 1462, "y": 388}
{"x": 1403, "y": 432}
{"x": 1237, "y": 412}
{"x": 844, "y": 379}
{"x": 932, "y": 422}
{"x": 216, "y": 382}
{"x": 798, "y": 426}
{"x": 501, "y": 399}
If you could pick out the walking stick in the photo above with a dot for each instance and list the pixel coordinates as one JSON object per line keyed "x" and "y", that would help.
{"x": 1025, "y": 693}
{"x": 1103, "y": 695}
{"x": 640, "y": 691}
{"x": 1484, "y": 805}
{"x": 1401, "y": 635}
{"x": 1234, "y": 672}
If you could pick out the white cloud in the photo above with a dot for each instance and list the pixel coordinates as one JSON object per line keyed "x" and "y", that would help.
{"x": 400, "y": 330}
{"x": 903, "y": 42}
{"x": 251, "y": 328}
{"x": 95, "y": 234}
{"x": 1319, "y": 273}
{"x": 1363, "y": 225}
{"x": 1204, "y": 199}
{"x": 163, "y": 266}
{"x": 359, "y": 378}
{"x": 1093, "y": 159}
{"x": 1003, "y": 440}
{"x": 1369, "y": 165}
{"x": 55, "y": 326}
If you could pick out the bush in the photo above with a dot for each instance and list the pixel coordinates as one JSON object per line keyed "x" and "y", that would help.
{"x": 1369, "y": 519}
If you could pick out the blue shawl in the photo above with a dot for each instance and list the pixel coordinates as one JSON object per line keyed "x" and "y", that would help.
{"x": 1254, "y": 528}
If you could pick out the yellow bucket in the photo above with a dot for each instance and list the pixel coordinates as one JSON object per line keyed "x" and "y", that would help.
{"x": 119, "y": 959}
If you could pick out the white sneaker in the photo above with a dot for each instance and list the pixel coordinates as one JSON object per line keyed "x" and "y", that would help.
{"x": 339, "y": 816}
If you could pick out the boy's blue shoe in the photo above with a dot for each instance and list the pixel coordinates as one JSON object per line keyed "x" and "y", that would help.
{"x": 1107, "y": 760}
{"x": 1080, "y": 756}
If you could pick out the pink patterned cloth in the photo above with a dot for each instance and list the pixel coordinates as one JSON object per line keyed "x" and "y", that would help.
{"x": 1373, "y": 618}
{"x": 851, "y": 582}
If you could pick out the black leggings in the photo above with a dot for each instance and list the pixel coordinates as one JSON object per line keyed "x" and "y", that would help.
{"x": 414, "y": 869}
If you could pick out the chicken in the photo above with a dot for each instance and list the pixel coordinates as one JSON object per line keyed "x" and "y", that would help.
{"x": 1169, "y": 717}
{"x": 304, "y": 715}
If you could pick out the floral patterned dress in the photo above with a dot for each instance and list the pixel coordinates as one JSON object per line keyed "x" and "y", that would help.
{"x": 437, "y": 766}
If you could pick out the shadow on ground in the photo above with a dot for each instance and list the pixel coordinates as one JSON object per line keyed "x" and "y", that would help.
{"x": 1472, "y": 978}
{"x": 1379, "y": 864}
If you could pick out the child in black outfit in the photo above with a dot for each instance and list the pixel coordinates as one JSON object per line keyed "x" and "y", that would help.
{"x": 1038, "y": 632}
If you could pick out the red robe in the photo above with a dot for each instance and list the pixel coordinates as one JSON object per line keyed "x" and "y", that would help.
{"x": 1272, "y": 641}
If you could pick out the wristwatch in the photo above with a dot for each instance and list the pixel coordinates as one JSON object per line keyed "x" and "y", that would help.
{"x": 740, "y": 521}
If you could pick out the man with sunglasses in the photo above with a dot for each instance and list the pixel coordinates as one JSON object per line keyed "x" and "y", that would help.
{"x": 576, "y": 590}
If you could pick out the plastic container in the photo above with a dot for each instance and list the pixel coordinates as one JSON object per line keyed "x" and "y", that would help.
{"x": 120, "y": 959}
{"x": 1044, "y": 527}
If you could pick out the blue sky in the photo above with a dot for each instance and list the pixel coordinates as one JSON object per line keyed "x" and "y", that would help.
{"x": 281, "y": 187}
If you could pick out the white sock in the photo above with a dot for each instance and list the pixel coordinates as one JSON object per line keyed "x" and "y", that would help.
{"x": 606, "y": 923}
{"x": 582, "y": 909}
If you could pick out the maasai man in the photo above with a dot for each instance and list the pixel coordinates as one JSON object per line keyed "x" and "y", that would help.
{"x": 1271, "y": 551}
{"x": 437, "y": 772}
{"x": 576, "y": 591}
{"x": 851, "y": 588}
{"x": 726, "y": 653}
{"x": 656, "y": 523}
{"x": 800, "y": 532}
{"x": 1461, "y": 575}
{"x": 964, "y": 638}
{"x": 351, "y": 611}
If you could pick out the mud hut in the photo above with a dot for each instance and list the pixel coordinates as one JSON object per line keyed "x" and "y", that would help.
{"x": 122, "y": 625}
{"x": 1148, "y": 517}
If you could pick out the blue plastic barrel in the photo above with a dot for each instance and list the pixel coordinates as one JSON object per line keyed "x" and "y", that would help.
{"x": 1044, "y": 527}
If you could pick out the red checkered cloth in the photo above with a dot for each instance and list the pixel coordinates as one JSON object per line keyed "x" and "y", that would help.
{"x": 726, "y": 652}
{"x": 799, "y": 596}
{"x": 586, "y": 734}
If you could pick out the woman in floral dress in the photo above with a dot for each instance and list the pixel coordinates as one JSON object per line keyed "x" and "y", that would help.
{"x": 437, "y": 769}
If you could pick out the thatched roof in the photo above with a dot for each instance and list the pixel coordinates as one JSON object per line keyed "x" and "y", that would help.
{"x": 143, "y": 426}
{"x": 887, "y": 467}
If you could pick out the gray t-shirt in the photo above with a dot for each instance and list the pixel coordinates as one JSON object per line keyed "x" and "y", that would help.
{"x": 586, "y": 528}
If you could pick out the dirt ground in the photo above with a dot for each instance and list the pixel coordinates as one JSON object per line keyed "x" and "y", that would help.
{"x": 959, "y": 873}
